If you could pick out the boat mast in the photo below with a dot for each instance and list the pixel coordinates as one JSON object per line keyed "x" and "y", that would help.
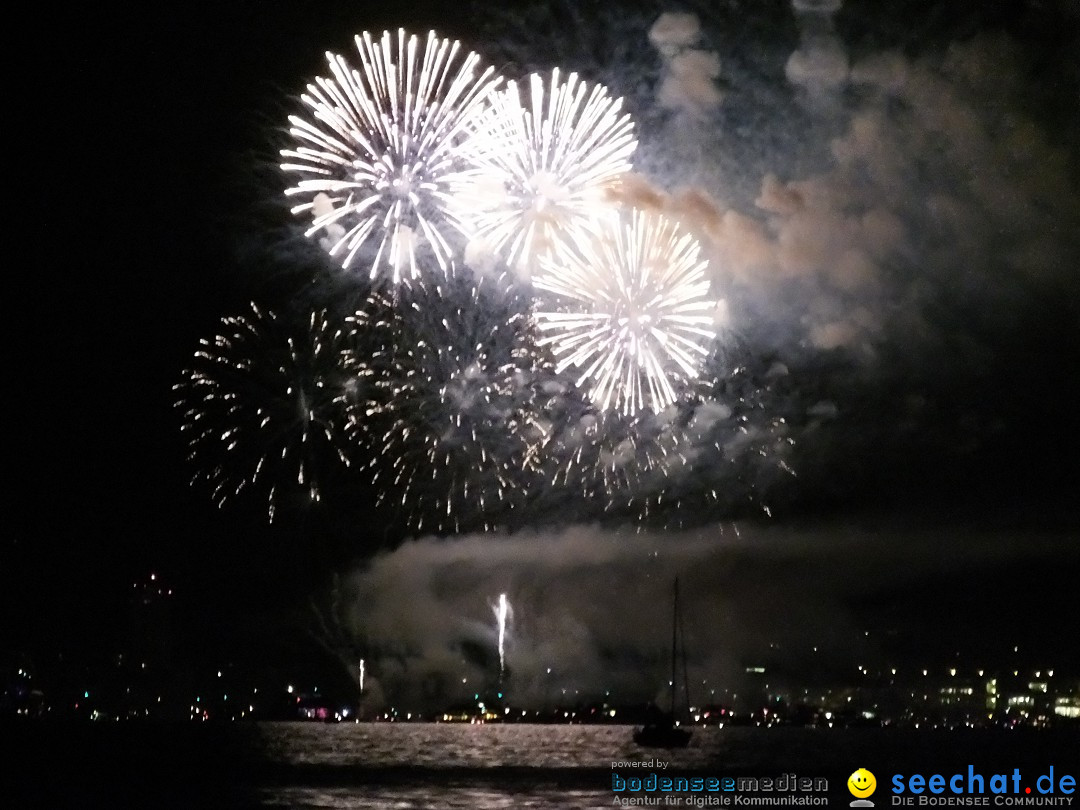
{"x": 674, "y": 645}
{"x": 685, "y": 669}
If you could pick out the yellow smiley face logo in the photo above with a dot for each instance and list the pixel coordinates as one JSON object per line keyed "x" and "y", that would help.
{"x": 861, "y": 783}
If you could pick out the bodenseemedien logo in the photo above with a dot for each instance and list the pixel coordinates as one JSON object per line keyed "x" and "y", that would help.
{"x": 862, "y": 785}
{"x": 649, "y": 787}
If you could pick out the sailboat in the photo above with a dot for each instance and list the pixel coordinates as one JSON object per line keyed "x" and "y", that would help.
{"x": 664, "y": 732}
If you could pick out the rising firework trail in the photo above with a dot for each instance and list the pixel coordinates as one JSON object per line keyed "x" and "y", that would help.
{"x": 546, "y": 153}
{"x": 628, "y": 310}
{"x": 503, "y": 614}
{"x": 375, "y": 152}
{"x": 263, "y": 407}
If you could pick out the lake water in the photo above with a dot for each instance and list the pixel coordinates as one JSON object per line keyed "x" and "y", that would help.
{"x": 405, "y": 766}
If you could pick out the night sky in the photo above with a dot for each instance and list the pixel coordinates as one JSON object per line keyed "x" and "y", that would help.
{"x": 930, "y": 351}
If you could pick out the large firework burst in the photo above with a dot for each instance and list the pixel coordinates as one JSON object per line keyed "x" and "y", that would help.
{"x": 545, "y": 154}
{"x": 376, "y": 154}
{"x": 629, "y": 310}
{"x": 263, "y": 407}
{"x": 451, "y": 409}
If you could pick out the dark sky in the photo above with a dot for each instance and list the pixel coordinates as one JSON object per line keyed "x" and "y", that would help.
{"x": 953, "y": 370}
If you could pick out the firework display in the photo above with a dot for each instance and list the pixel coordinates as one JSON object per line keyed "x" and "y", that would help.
{"x": 559, "y": 304}
{"x": 475, "y": 402}
{"x": 375, "y": 155}
{"x": 263, "y": 407}
{"x": 546, "y": 153}
{"x": 631, "y": 311}
{"x": 450, "y": 410}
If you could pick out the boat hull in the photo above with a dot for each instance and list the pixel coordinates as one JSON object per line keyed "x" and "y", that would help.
{"x": 662, "y": 737}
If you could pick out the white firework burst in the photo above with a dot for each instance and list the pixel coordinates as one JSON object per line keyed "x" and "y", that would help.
{"x": 546, "y": 154}
{"x": 629, "y": 310}
{"x": 376, "y": 155}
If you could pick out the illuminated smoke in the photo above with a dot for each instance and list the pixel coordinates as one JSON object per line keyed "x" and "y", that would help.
{"x": 820, "y": 65}
{"x": 690, "y": 77}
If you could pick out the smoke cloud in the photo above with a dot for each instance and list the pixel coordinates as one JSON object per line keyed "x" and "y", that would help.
{"x": 937, "y": 175}
{"x": 592, "y": 608}
{"x": 689, "y": 83}
{"x": 819, "y": 67}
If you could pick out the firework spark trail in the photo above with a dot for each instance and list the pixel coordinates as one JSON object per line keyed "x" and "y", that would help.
{"x": 503, "y": 614}
{"x": 604, "y": 460}
{"x": 264, "y": 407}
{"x": 724, "y": 451}
{"x": 546, "y": 156}
{"x": 629, "y": 311}
{"x": 632, "y": 453}
{"x": 376, "y": 156}
{"x": 732, "y": 461}
{"x": 451, "y": 409}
